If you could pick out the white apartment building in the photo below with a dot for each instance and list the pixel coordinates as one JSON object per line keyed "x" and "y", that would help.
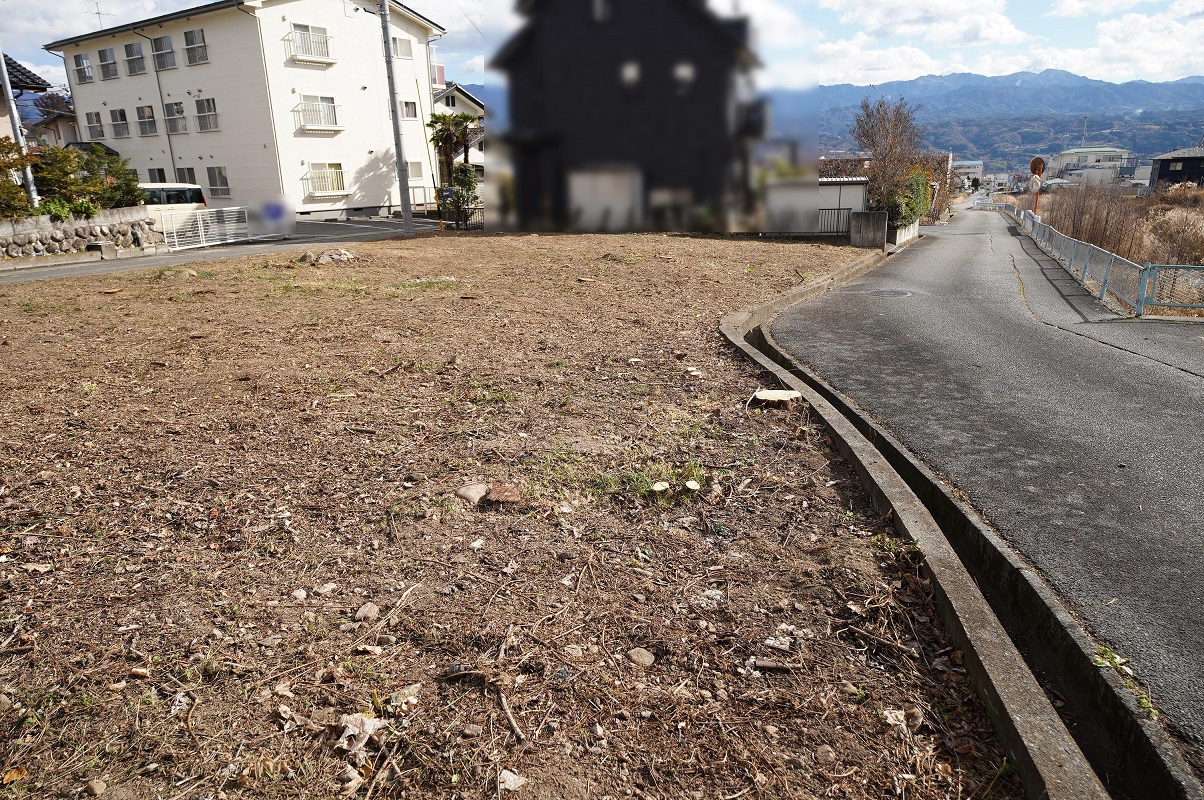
{"x": 255, "y": 100}
{"x": 1094, "y": 165}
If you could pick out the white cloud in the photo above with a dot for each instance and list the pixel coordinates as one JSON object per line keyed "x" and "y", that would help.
{"x": 1081, "y": 8}
{"x": 53, "y": 72}
{"x": 857, "y": 61}
{"x": 944, "y": 23}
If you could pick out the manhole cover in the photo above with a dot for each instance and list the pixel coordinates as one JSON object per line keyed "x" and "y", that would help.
{"x": 890, "y": 293}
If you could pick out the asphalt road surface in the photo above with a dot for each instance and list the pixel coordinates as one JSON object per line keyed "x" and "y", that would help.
{"x": 308, "y": 234}
{"x": 1076, "y": 433}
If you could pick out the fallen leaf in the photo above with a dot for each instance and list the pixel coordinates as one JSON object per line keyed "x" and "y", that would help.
{"x": 511, "y": 781}
{"x": 15, "y": 774}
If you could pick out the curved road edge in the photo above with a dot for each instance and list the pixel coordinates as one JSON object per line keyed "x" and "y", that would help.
{"x": 1013, "y": 612}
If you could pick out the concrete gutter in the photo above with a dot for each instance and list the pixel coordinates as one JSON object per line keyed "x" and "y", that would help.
{"x": 1049, "y": 760}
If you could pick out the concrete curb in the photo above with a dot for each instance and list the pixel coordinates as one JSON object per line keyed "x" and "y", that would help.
{"x": 1049, "y": 761}
{"x": 1133, "y": 754}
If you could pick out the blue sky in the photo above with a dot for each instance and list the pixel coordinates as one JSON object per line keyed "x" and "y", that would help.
{"x": 802, "y": 42}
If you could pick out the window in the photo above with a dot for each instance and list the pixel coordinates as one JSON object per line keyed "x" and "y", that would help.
{"x": 402, "y": 48}
{"x": 195, "y": 51}
{"x": 310, "y": 43}
{"x": 414, "y": 170}
{"x": 219, "y": 183}
{"x": 185, "y": 175}
{"x": 157, "y": 175}
{"x": 206, "y": 115}
{"x": 450, "y": 100}
{"x": 173, "y": 115}
{"x": 96, "y": 128}
{"x": 317, "y": 111}
{"x": 146, "y": 121}
{"x": 135, "y": 64}
{"x": 326, "y": 179}
{"x": 121, "y": 125}
{"x": 630, "y": 73}
{"x": 1176, "y": 166}
{"x": 409, "y": 110}
{"x": 108, "y": 64}
{"x": 83, "y": 69}
{"x": 165, "y": 57}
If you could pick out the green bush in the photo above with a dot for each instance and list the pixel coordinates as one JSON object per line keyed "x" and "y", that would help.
{"x": 58, "y": 209}
{"x": 84, "y": 208}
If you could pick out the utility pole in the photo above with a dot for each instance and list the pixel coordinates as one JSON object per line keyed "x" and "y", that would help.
{"x": 403, "y": 173}
{"x": 18, "y": 134}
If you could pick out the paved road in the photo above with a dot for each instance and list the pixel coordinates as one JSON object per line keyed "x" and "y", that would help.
{"x": 308, "y": 234}
{"x": 1076, "y": 433}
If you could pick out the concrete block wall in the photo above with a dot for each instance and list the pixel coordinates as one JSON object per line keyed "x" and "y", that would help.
{"x": 40, "y": 236}
{"x": 867, "y": 229}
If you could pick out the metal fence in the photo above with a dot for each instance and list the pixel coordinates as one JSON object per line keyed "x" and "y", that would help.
{"x": 1134, "y": 288}
{"x": 835, "y": 220}
{"x": 186, "y": 229}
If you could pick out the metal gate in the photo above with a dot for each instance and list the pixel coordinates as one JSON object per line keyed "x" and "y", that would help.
{"x": 186, "y": 229}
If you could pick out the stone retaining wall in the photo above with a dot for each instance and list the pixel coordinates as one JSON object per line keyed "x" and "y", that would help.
{"x": 39, "y": 236}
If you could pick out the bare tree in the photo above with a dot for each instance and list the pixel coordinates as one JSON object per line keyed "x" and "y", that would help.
{"x": 889, "y": 133}
{"x": 49, "y": 103}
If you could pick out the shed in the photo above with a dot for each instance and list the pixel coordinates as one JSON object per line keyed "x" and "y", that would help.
{"x": 817, "y": 206}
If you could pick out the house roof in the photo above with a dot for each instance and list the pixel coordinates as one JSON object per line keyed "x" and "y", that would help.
{"x": 1095, "y": 149}
{"x": 23, "y": 79}
{"x": 455, "y": 87}
{"x": 1183, "y": 152}
{"x": 187, "y": 13}
{"x": 735, "y": 31}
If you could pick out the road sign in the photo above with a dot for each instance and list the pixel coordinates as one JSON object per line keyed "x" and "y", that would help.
{"x": 1037, "y": 166}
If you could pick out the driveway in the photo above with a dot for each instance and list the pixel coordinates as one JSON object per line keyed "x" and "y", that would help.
{"x": 1075, "y": 433}
{"x": 308, "y": 234}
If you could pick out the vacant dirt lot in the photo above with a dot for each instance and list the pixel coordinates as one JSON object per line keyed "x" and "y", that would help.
{"x": 233, "y": 561}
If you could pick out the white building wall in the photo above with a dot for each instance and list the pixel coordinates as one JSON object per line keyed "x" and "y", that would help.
{"x": 476, "y": 156}
{"x": 257, "y": 87}
{"x": 358, "y": 83}
{"x": 792, "y": 206}
{"x": 233, "y": 77}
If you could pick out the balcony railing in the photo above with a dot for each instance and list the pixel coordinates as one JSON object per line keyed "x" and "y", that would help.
{"x": 108, "y": 70}
{"x": 438, "y": 74}
{"x": 147, "y": 127}
{"x": 135, "y": 65}
{"x": 325, "y": 182}
{"x": 207, "y": 122}
{"x": 121, "y": 130}
{"x": 165, "y": 59}
{"x": 219, "y": 191}
{"x": 196, "y": 54}
{"x": 177, "y": 124}
{"x": 311, "y": 47}
{"x": 317, "y": 117}
{"x": 83, "y": 74}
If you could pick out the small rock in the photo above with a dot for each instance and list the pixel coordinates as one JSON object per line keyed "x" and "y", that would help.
{"x": 848, "y": 688}
{"x": 139, "y": 672}
{"x": 370, "y": 650}
{"x": 511, "y": 781}
{"x": 504, "y": 493}
{"x": 300, "y": 594}
{"x": 386, "y": 640}
{"x": 772, "y": 731}
{"x": 597, "y": 731}
{"x": 641, "y": 657}
{"x": 473, "y": 493}
{"x": 824, "y": 754}
{"x": 573, "y": 651}
{"x": 5, "y": 703}
{"x": 477, "y": 545}
{"x": 368, "y": 613}
{"x": 327, "y": 588}
{"x": 95, "y": 788}
{"x": 776, "y": 398}
{"x": 473, "y": 731}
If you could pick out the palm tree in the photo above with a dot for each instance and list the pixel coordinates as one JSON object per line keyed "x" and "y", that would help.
{"x": 445, "y": 136}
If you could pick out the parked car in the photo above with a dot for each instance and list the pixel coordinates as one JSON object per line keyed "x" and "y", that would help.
{"x": 164, "y": 199}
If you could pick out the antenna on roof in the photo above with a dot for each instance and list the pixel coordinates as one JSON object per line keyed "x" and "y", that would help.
{"x": 100, "y": 15}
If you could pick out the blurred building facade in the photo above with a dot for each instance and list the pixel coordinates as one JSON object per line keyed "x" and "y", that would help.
{"x": 630, "y": 115}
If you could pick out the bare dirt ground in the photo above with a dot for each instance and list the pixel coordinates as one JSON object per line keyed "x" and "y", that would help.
{"x": 233, "y": 561}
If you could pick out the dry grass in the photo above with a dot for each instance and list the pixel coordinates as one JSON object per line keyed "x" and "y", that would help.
{"x": 180, "y": 455}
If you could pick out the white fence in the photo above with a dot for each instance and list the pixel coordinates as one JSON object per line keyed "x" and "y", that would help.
{"x": 187, "y": 229}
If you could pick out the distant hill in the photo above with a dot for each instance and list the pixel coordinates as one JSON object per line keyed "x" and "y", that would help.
{"x": 1002, "y": 120}
{"x": 1005, "y": 120}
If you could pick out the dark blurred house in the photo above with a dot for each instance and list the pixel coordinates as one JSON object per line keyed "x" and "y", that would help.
{"x": 1185, "y": 165}
{"x": 631, "y": 114}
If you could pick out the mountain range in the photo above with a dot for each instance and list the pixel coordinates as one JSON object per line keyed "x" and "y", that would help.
{"x": 1002, "y": 120}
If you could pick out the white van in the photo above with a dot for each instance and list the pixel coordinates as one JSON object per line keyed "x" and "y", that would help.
{"x": 172, "y": 198}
